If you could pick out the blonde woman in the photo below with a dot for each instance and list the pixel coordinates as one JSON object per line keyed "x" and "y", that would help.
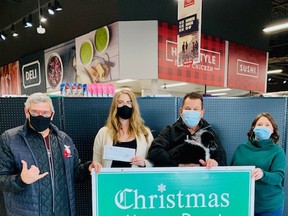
{"x": 126, "y": 129}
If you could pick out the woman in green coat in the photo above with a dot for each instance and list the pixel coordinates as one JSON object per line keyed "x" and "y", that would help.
{"x": 262, "y": 151}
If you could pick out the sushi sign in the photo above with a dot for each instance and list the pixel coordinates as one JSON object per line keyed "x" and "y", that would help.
{"x": 173, "y": 191}
{"x": 31, "y": 74}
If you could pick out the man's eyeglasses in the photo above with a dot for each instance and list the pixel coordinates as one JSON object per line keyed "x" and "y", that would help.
{"x": 36, "y": 113}
{"x": 122, "y": 103}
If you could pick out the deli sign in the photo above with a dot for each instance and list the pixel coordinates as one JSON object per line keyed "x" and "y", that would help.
{"x": 31, "y": 75}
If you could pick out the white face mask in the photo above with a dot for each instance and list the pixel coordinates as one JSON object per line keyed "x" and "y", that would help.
{"x": 191, "y": 117}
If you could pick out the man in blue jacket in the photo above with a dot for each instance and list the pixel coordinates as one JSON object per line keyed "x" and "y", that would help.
{"x": 39, "y": 163}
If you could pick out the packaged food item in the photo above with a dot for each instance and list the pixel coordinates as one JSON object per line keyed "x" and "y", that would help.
{"x": 68, "y": 90}
{"x": 89, "y": 90}
{"x": 94, "y": 90}
{"x": 99, "y": 89}
{"x": 111, "y": 90}
{"x": 62, "y": 89}
{"x": 79, "y": 89}
{"x": 74, "y": 89}
{"x": 85, "y": 90}
{"x": 105, "y": 91}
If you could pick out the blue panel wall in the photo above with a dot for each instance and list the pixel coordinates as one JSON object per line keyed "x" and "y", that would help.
{"x": 81, "y": 118}
{"x": 232, "y": 118}
{"x": 158, "y": 112}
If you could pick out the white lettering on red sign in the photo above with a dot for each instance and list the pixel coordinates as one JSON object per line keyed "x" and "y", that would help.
{"x": 209, "y": 60}
{"x": 246, "y": 68}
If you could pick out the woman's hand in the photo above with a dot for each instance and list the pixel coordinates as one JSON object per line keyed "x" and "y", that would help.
{"x": 257, "y": 173}
{"x": 138, "y": 161}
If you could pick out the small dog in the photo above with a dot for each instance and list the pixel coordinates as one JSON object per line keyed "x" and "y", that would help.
{"x": 192, "y": 150}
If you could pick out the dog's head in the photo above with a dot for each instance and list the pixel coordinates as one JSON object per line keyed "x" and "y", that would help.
{"x": 208, "y": 140}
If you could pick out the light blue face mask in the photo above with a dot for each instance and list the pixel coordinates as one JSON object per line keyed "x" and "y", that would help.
{"x": 262, "y": 133}
{"x": 191, "y": 117}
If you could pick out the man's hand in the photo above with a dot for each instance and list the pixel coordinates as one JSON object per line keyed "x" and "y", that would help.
{"x": 96, "y": 166}
{"x": 31, "y": 175}
{"x": 209, "y": 163}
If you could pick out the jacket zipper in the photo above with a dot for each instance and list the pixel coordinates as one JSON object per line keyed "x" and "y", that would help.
{"x": 50, "y": 158}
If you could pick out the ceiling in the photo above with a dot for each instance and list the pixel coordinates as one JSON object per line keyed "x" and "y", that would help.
{"x": 238, "y": 21}
{"x": 278, "y": 44}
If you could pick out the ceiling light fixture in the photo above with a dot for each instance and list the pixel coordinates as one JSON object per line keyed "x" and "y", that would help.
{"x": 27, "y": 22}
{"x": 277, "y": 27}
{"x": 42, "y": 18}
{"x": 125, "y": 81}
{"x": 57, "y": 6}
{"x": 3, "y": 35}
{"x": 40, "y": 29}
{"x": 218, "y": 90}
{"x": 219, "y": 94}
{"x": 275, "y": 71}
{"x": 27, "y": 19}
{"x": 13, "y": 32}
{"x": 173, "y": 85}
{"x": 50, "y": 9}
{"x": 123, "y": 88}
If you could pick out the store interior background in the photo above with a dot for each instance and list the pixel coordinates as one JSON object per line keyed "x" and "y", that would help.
{"x": 239, "y": 21}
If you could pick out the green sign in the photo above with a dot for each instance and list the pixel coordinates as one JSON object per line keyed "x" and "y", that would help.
{"x": 226, "y": 191}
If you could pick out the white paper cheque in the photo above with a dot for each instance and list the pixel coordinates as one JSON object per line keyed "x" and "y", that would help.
{"x": 118, "y": 153}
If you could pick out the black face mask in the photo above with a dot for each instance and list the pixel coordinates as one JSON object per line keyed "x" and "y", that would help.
{"x": 124, "y": 112}
{"x": 40, "y": 123}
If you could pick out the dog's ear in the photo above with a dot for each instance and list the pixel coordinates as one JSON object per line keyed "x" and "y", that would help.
{"x": 208, "y": 139}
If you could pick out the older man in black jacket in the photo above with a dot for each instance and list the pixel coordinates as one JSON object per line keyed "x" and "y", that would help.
{"x": 39, "y": 163}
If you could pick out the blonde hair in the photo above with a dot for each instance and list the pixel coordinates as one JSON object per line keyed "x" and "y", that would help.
{"x": 136, "y": 123}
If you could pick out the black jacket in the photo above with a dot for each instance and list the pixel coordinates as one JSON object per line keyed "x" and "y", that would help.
{"x": 44, "y": 196}
{"x": 174, "y": 135}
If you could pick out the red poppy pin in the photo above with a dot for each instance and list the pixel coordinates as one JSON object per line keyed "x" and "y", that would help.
{"x": 67, "y": 151}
